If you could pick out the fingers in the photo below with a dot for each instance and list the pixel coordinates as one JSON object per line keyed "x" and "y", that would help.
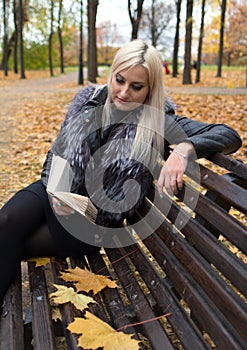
{"x": 171, "y": 175}
{"x": 169, "y": 184}
{"x": 61, "y": 208}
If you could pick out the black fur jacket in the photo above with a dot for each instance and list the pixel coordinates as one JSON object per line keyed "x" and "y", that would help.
{"x": 99, "y": 159}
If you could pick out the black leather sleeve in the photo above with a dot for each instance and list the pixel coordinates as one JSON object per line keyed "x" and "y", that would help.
{"x": 206, "y": 138}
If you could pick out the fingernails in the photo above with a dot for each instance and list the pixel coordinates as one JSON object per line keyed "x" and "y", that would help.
{"x": 59, "y": 204}
{"x": 161, "y": 196}
{"x": 72, "y": 212}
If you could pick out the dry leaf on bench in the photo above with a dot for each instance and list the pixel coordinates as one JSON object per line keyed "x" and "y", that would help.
{"x": 40, "y": 261}
{"x": 67, "y": 294}
{"x": 85, "y": 280}
{"x": 96, "y": 333}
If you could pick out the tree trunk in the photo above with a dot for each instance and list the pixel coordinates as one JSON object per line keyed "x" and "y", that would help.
{"x": 50, "y": 39}
{"x": 153, "y": 27}
{"x": 92, "y": 47}
{"x": 21, "y": 21}
{"x": 60, "y": 37}
{"x": 199, "y": 52}
{"x": 15, "y": 9}
{"x": 221, "y": 43}
{"x": 176, "y": 41}
{"x": 188, "y": 39}
{"x": 80, "y": 73}
{"x": 135, "y": 15}
{"x": 5, "y": 40}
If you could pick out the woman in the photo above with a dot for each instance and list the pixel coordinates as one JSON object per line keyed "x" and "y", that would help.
{"x": 111, "y": 134}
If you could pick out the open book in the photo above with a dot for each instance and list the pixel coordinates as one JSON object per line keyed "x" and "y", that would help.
{"x": 59, "y": 185}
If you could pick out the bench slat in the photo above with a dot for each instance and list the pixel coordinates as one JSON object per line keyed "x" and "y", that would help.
{"x": 229, "y": 191}
{"x": 43, "y": 333}
{"x": 209, "y": 317}
{"x": 215, "y": 252}
{"x": 112, "y": 299}
{"x": 218, "y": 218}
{"x": 167, "y": 302}
{"x": 153, "y": 330}
{"x": 11, "y": 326}
{"x": 67, "y": 310}
{"x": 233, "y": 165}
{"x": 228, "y": 302}
{"x": 225, "y": 298}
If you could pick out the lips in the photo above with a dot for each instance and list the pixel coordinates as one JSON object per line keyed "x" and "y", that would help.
{"x": 120, "y": 100}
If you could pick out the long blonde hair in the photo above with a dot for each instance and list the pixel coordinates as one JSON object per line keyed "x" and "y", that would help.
{"x": 150, "y": 127}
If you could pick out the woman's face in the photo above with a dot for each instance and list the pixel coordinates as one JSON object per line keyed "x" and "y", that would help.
{"x": 129, "y": 87}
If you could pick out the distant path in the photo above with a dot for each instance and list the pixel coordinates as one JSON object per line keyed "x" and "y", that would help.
{"x": 191, "y": 90}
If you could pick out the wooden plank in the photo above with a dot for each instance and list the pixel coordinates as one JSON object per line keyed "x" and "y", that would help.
{"x": 43, "y": 333}
{"x": 112, "y": 300}
{"x": 235, "y": 166}
{"x": 152, "y": 330}
{"x": 167, "y": 302}
{"x": 67, "y": 310}
{"x": 229, "y": 191}
{"x": 208, "y": 316}
{"x": 223, "y": 296}
{"x": 225, "y": 261}
{"x": 220, "y": 221}
{"x": 226, "y": 300}
{"x": 11, "y": 323}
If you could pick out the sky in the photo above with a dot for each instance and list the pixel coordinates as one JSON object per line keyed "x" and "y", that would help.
{"x": 117, "y": 13}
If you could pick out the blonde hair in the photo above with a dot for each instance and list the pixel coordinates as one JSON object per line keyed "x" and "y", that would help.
{"x": 150, "y": 127}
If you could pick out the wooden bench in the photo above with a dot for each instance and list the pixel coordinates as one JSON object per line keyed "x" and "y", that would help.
{"x": 191, "y": 269}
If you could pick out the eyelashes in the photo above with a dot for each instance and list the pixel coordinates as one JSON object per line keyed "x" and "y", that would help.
{"x": 134, "y": 86}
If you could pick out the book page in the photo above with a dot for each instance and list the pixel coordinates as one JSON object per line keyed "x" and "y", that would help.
{"x": 61, "y": 175}
{"x": 59, "y": 185}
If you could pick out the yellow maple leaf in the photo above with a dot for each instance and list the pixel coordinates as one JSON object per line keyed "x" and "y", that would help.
{"x": 40, "y": 261}
{"x": 67, "y": 294}
{"x": 96, "y": 333}
{"x": 85, "y": 280}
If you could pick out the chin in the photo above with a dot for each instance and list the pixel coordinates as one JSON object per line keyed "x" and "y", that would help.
{"x": 127, "y": 106}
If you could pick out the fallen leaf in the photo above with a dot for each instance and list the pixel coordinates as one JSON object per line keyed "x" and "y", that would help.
{"x": 85, "y": 280}
{"x": 96, "y": 333}
{"x": 67, "y": 294}
{"x": 40, "y": 261}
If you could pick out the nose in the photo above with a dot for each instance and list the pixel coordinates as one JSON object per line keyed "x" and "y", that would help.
{"x": 124, "y": 93}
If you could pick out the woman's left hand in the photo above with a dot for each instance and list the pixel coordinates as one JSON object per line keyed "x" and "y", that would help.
{"x": 172, "y": 172}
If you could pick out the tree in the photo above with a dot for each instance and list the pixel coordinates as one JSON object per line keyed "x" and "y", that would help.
{"x": 80, "y": 73}
{"x": 135, "y": 14}
{"x": 50, "y": 37}
{"x": 188, "y": 39}
{"x": 199, "y": 51}
{"x": 221, "y": 42}
{"x": 156, "y": 19}
{"x": 108, "y": 38}
{"x": 20, "y": 32}
{"x": 235, "y": 40}
{"x": 176, "y": 40}
{"x": 5, "y": 39}
{"x": 92, "y": 46}
{"x": 15, "y": 35}
{"x": 60, "y": 37}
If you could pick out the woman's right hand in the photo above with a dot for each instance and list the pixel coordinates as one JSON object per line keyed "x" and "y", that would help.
{"x": 61, "y": 208}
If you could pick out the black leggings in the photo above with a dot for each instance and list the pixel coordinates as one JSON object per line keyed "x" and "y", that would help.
{"x": 24, "y": 233}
